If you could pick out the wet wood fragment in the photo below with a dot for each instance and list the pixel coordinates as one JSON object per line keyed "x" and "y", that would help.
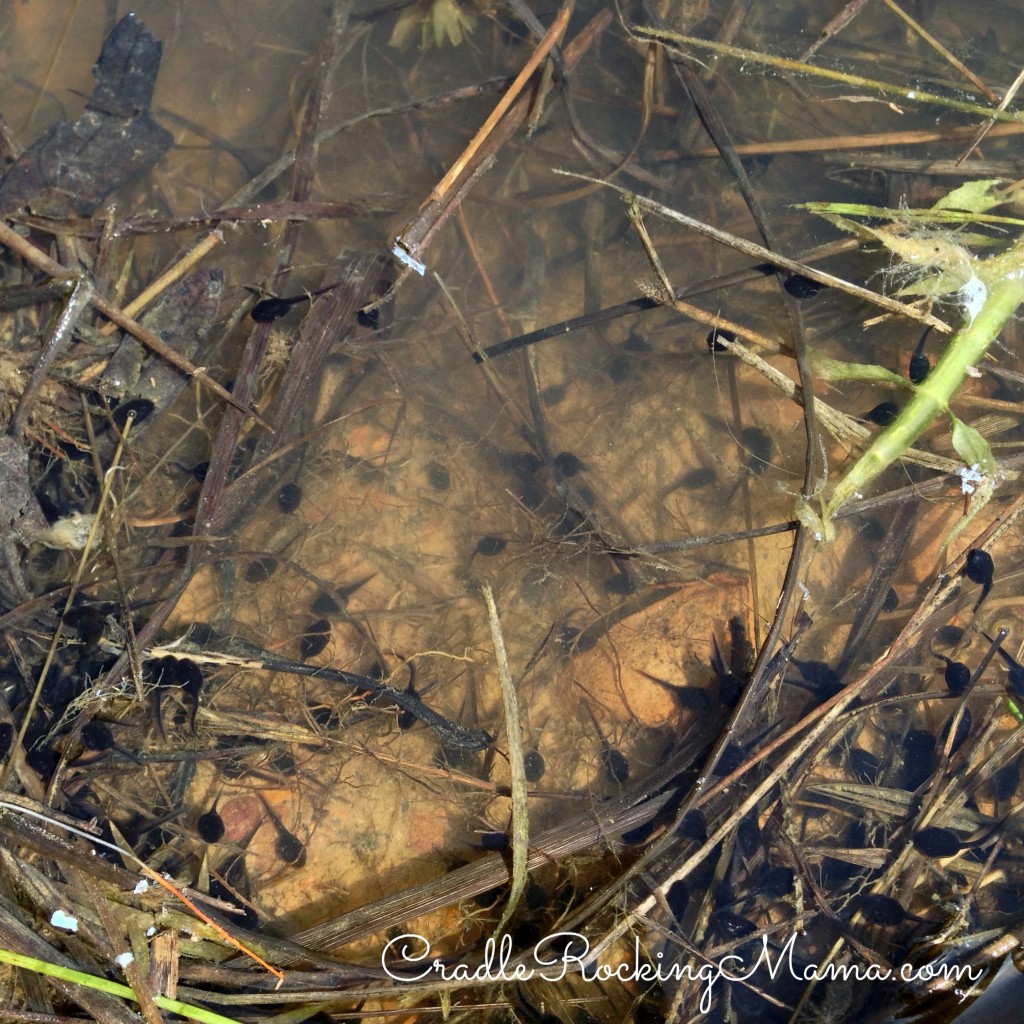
{"x": 73, "y": 166}
{"x": 182, "y": 318}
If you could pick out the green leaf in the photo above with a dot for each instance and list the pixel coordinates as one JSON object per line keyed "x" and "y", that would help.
{"x": 972, "y": 447}
{"x": 973, "y": 196}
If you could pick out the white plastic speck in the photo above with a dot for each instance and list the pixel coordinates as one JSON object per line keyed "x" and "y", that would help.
{"x": 123, "y": 960}
{"x": 61, "y": 920}
{"x": 403, "y": 256}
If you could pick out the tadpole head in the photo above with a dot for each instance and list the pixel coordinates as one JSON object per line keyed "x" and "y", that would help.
{"x": 210, "y": 826}
{"x": 882, "y": 910}
{"x": 717, "y": 336}
{"x": 266, "y": 311}
{"x": 957, "y": 676}
{"x": 937, "y": 842}
{"x": 290, "y": 849}
{"x": 979, "y": 567}
{"x": 920, "y": 367}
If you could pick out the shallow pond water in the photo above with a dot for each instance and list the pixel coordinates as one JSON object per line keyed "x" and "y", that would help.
{"x": 407, "y": 472}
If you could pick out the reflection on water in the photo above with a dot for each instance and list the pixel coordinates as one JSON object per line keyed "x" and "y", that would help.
{"x": 406, "y": 474}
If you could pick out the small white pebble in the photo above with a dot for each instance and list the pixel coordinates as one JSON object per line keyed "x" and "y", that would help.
{"x": 123, "y": 960}
{"x": 151, "y": 931}
{"x": 61, "y": 920}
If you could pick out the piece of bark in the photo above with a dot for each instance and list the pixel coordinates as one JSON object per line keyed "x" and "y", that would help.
{"x": 74, "y": 166}
{"x": 182, "y": 318}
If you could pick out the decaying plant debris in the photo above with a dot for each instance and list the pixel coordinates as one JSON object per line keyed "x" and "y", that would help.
{"x": 389, "y": 549}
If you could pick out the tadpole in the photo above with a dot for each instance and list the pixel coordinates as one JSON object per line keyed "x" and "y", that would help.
{"x": 979, "y": 568}
{"x": 758, "y": 446}
{"x": 694, "y": 826}
{"x": 920, "y": 366}
{"x": 490, "y": 545}
{"x": 568, "y": 464}
{"x": 315, "y": 637}
{"x": 819, "y": 677}
{"x": 210, "y": 826}
{"x": 882, "y": 910}
{"x": 268, "y": 310}
{"x": 957, "y": 675}
{"x": 937, "y": 842}
{"x": 688, "y": 698}
{"x": 533, "y": 766}
{"x": 717, "y": 336}
{"x": 259, "y": 570}
{"x": 883, "y": 414}
{"x": 289, "y": 497}
{"x": 677, "y": 898}
{"x": 615, "y": 765}
{"x": 963, "y": 730}
{"x": 235, "y": 887}
{"x": 732, "y": 926}
{"x": 406, "y": 719}
{"x": 288, "y": 847}
{"x": 801, "y": 287}
{"x": 748, "y": 837}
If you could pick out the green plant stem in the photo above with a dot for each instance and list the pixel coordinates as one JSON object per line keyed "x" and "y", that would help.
{"x": 933, "y": 396}
{"x": 113, "y": 988}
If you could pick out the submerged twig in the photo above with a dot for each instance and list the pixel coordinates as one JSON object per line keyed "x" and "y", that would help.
{"x": 38, "y": 258}
{"x": 858, "y": 81}
{"x": 520, "y": 813}
{"x": 759, "y": 252}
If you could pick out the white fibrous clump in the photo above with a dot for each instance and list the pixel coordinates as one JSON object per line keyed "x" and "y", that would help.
{"x": 969, "y": 478}
{"x": 69, "y": 533}
{"x": 972, "y": 297}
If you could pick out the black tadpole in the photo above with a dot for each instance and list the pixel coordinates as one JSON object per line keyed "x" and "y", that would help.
{"x": 920, "y": 365}
{"x": 883, "y": 414}
{"x": 210, "y": 826}
{"x": 268, "y": 310}
{"x": 937, "y": 842}
{"x": 288, "y": 846}
{"x": 533, "y": 766}
{"x": 688, "y": 698}
{"x": 614, "y": 764}
{"x": 315, "y": 637}
{"x": 979, "y": 568}
{"x": 1015, "y": 671}
{"x": 882, "y": 910}
{"x": 957, "y": 675}
{"x": 801, "y": 287}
